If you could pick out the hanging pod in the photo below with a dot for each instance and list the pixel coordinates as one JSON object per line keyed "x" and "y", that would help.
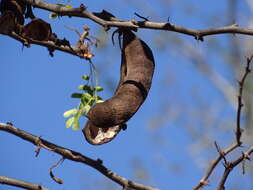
{"x": 106, "y": 119}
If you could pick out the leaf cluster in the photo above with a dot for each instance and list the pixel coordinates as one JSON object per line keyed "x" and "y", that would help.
{"x": 87, "y": 98}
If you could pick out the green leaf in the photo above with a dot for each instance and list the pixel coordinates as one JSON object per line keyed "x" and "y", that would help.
{"x": 98, "y": 88}
{"x": 70, "y": 113}
{"x": 84, "y": 87}
{"x": 87, "y": 96}
{"x": 68, "y": 6}
{"x": 76, "y": 95}
{"x": 76, "y": 125}
{"x": 85, "y": 77}
{"x": 69, "y": 122}
{"x": 53, "y": 16}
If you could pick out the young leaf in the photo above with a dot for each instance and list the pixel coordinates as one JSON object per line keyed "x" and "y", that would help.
{"x": 76, "y": 95}
{"x": 70, "y": 113}
{"x": 85, "y": 77}
{"x": 69, "y": 122}
{"x": 84, "y": 87}
{"x": 53, "y": 16}
{"x": 68, "y": 6}
{"x": 98, "y": 88}
{"x": 76, "y": 125}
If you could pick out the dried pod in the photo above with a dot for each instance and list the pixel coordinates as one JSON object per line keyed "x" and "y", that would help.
{"x": 7, "y": 22}
{"x": 137, "y": 67}
{"x": 37, "y": 29}
{"x": 16, "y": 6}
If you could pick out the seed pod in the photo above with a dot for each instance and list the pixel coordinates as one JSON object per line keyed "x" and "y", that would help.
{"x": 137, "y": 67}
{"x": 37, "y": 29}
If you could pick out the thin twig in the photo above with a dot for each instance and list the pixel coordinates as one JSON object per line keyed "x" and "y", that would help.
{"x": 56, "y": 179}
{"x": 19, "y": 183}
{"x": 240, "y": 104}
{"x": 222, "y": 153}
{"x": 232, "y": 165}
{"x": 74, "y": 156}
{"x": 204, "y": 180}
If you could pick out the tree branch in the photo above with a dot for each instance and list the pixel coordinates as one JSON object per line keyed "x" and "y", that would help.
{"x": 74, "y": 156}
{"x": 68, "y": 49}
{"x": 18, "y": 183}
{"x": 114, "y": 22}
{"x": 231, "y": 165}
{"x": 222, "y": 153}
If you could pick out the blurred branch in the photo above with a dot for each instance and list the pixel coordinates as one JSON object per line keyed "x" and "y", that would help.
{"x": 74, "y": 156}
{"x": 22, "y": 184}
{"x": 222, "y": 153}
{"x": 107, "y": 22}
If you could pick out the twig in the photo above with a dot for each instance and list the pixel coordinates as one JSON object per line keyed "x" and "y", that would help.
{"x": 71, "y": 50}
{"x": 22, "y": 184}
{"x": 240, "y": 104}
{"x": 77, "y": 12}
{"x": 232, "y": 165}
{"x": 222, "y": 153}
{"x": 204, "y": 181}
{"x": 56, "y": 179}
{"x": 74, "y": 156}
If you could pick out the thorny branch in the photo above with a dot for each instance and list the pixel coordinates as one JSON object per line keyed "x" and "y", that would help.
{"x": 67, "y": 49}
{"x": 74, "y": 156}
{"x": 222, "y": 153}
{"x": 22, "y": 184}
{"x": 107, "y": 20}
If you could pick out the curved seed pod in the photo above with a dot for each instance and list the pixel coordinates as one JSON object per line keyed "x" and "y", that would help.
{"x": 137, "y": 66}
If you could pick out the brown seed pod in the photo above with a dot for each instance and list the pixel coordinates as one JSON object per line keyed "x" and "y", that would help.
{"x": 16, "y": 6}
{"x": 137, "y": 67}
{"x": 37, "y": 29}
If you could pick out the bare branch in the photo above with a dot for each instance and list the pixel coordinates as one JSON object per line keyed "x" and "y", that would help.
{"x": 22, "y": 184}
{"x": 204, "y": 181}
{"x": 231, "y": 166}
{"x": 71, "y": 50}
{"x": 240, "y": 104}
{"x": 222, "y": 153}
{"x": 99, "y": 19}
{"x": 74, "y": 156}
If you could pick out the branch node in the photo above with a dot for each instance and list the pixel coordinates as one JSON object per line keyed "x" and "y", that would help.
{"x": 142, "y": 17}
{"x": 199, "y": 37}
{"x": 133, "y": 21}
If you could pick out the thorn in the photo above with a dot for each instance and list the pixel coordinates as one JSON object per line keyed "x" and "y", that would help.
{"x": 82, "y": 7}
{"x": 99, "y": 161}
{"x": 9, "y": 123}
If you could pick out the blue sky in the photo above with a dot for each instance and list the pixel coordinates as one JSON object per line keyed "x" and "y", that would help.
{"x": 36, "y": 89}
